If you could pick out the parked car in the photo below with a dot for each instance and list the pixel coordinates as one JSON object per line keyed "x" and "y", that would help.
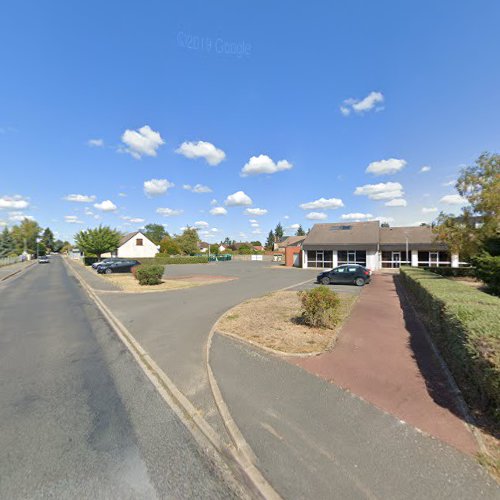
{"x": 120, "y": 266}
{"x": 350, "y": 274}
{"x": 43, "y": 259}
{"x": 106, "y": 261}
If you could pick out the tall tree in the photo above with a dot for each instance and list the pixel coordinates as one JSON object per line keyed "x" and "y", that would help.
{"x": 278, "y": 231}
{"x": 48, "y": 239}
{"x": 227, "y": 242}
{"x": 169, "y": 246}
{"x": 188, "y": 241}
{"x": 98, "y": 240}
{"x": 270, "y": 240}
{"x": 58, "y": 245}
{"x": 155, "y": 232}
{"x": 300, "y": 231}
{"x": 25, "y": 235}
{"x": 7, "y": 244}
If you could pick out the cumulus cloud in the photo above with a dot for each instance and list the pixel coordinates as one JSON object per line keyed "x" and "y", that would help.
{"x": 80, "y": 198}
{"x": 253, "y": 221}
{"x": 381, "y": 191}
{"x": 256, "y": 231}
{"x": 72, "y": 219}
{"x": 385, "y": 167}
{"x": 201, "y": 224}
{"x": 262, "y": 164}
{"x": 356, "y": 216}
{"x": 133, "y": 220}
{"x": 397, "y": 202}
{"x": 17, "y": 216}
{"x": 323, "y": 203}
{"x": 363, "y": 105}
{"x": 198, "y": 188}
{"x": 429, "y": 210}
{"x": 156, "y": 187}
{"x": 106, "y": 206}
{"x": 316, "y": 216}
{"x": 382, "y": 219}
{"x": 256, "y": 211}
{"x": 95, "y": 143}
{"x": 142, "y": 142}
{"x": 201, "y": 149}
{"x": 218, "y": 211}
{"x": 453, "y": 199}
{"x": 238, "y": 199}
{"x": 255, "y": 224}
{"x": 169, "y": 212}
{"x": 424, "y": 169}
{"x": 17, "y": 202}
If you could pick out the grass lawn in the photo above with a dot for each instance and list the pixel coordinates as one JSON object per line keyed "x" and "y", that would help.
{"x": 273, "y": 321}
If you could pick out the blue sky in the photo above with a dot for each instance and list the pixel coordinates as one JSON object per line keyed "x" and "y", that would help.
{"x": 339, "y": 98}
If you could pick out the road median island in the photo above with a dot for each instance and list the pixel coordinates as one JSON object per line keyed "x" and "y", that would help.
{"x": 274, "y": 322}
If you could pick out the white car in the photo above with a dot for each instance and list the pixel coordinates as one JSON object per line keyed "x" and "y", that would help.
{"x": 43, "y": 259}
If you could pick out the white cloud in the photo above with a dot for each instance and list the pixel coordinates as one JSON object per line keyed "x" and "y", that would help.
{"x": 255, "y": 224}
{"x": 3, "y": 223}
{"x": 72, "y": 219}
{"x": 133, "y": 220}
{"x": 262, "y": 164}
{"x": 80, "y": 198}
{"x": 450, "y": 183}
{"x": 201, "y": 149}
{"x": 381, "y": 191}
{"x": 143, "y": 141}
{"x": 316, "y": 216}
{"x": 238, "y": 199}
{"x": 356, "y": 216}
{"x": 383, "y": 219}
{"x": 218, "y": 211}
{"x": 214, "y": 202}
{"x": 453, "y": 199}
{"x": 106, "y": 206}
{"x": 323, "y": 203}
{"x": 201, "y": 224}
{"x": 363, "y": 105}
{"x": 252, "y": 221}
{"x": 198, "y": 188}
{"x": 95, "y": 143}
{"x": 256, "y": 231}
{"x": 424, "y": 169}
{"x": 122, "y": 195}
{"x": 169, "y": 212}
{"x": 397, "y": 202}
{"x": 17, "y": 216}
{"x": 386, "y": 167}
{"x": 256, "y": 211}
{"x": 429, "y": 210}
{"x": 156, "y": 187}
{"x": 17, "y": 202}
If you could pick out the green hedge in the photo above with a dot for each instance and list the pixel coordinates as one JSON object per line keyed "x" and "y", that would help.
{"x": 88, "y": 261}
{"x": 456, "y": 272}
{"x": 488, "y": 271}
{"x": 465, "y": 325}
{"x": 149, "y": 274}
{"x": 166, "y": 260}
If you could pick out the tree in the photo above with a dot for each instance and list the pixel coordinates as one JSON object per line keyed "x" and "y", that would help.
{"x": 385, "y": 224}
{"x": 48, "y": 239}
{"x": 270, "y": 241}
{"x": 58, "y": 245}
{"x": 245, "y": 250}
{"x": 256, "y": 243}
{"x": 155, "y": 232}
{"x": 41, "y": 249}
{"x": 300, "y": 231}
{"x": 7, "y": 244}
{"x": 188, "y": 241}
{"x": 25, "y": 235}
{"x": 169, "y": 246}
{"x": 214, "y": 249}
{"x": 278, "y": 231}
{"x": 98, "y": 240}
{"x": 227, "y": 242}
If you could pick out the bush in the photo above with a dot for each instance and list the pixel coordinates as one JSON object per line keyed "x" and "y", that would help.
{"x": 465, "y": 324}
{"x": 488, "y": 271}
{"x": 88, "y": 261}
{"x": 455, "y": 272}
{"x": 164, "y": 259}
{"x": 149, "y": 274}
{"x": 320, "y": 307}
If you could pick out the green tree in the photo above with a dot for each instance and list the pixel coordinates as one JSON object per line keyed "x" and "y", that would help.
{"x": 48, "y": 239}
{"x": 278, "y": 231}
{"x": 58, "y": 245}
{"x": 300, "y": 231}
{"x": 7, "y": 244}
{"x": 41, "y": 249}
{"x": 270, "y": 241}
{"x": 256, "y": 243}
{"x": 98, "y": 240}
{"x": 245, "y": 250}
{"x": 214, "y": 249}
{"x": 25, "y": 235}
{"x": 227, "y": 242}
{"x": 188, "y": 241}
{"x": 169, "y": 246}
{"x": 155, "y": 232}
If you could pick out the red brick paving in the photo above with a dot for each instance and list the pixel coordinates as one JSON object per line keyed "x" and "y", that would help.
{"x": 382, "y": 355}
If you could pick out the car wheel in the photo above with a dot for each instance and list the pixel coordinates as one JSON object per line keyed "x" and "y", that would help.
{"x": 359, "y": 282}
{"x": 108, "y": 271}
{"x": 325, "y": 281}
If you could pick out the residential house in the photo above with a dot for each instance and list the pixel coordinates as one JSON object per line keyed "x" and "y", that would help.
{"x": 134, "y": 246}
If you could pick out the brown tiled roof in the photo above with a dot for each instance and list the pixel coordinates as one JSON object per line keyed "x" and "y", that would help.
{"x": 291, "y": 241}
{"x": 127, "y": 237}
{"x": 343, "y": 234}
{"x": 419, "y": 237}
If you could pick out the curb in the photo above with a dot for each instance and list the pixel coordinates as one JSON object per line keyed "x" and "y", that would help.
{"x": 247, "y": 473}
{"x": 17, "y": 272}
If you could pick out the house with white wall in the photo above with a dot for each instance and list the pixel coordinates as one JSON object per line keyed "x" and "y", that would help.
{"x": 134, "y": 246}
{"x": 373, "y": 246}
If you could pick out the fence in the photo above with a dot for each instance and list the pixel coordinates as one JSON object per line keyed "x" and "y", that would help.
{"x": 5, "y": 261}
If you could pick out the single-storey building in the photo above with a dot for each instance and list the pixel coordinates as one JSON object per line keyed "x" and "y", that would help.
{"x": 134, "y": 246}
{"x": 373, "y": 246}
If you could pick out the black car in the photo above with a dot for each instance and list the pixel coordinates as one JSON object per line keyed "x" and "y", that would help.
{"x": 117, "y": 266}
{"x": 350, "y": 274}
{"x": 95, "y": 265}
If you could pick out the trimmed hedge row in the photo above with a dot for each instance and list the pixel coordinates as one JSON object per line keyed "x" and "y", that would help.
{"x": 455, "y": 272}
{"x": 168, "y": 260}
{"x": 465, "y": 324}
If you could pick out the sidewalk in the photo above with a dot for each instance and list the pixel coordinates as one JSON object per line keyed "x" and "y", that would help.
{"x": 6, "y": 271}
{"x": 383, "y": 356}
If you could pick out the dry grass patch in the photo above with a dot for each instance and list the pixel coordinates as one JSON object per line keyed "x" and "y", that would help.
{"x": 273, "y": 321}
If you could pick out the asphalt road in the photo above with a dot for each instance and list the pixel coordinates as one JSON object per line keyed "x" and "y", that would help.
{"x": 78, "y": 418}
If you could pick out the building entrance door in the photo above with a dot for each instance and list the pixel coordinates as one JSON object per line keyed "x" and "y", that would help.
{"x": 396, "y": 259}
{"x": 433, "y": 259}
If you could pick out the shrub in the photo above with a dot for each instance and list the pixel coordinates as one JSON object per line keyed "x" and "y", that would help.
{"x": 320, "y": 307}
{"x": 465, "y": 324}
{"x": 149, "y": 274}
{"x": 164, "y": 259}
{"x": 488, "y": 271}
{"x": 456, "y": 272}
{"x": 88, "y": 261}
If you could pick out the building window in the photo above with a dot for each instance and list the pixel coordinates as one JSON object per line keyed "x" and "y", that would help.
{"x": 138, "y": 242}
{"x": 394, "y": 259}
{"x": 320, "y": 258}
{"x": 351, "y": 257}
